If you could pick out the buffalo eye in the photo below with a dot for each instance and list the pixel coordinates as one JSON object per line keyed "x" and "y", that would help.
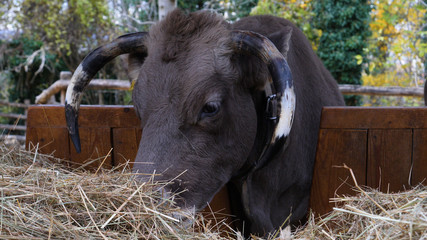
{"x": 210, "y": 109}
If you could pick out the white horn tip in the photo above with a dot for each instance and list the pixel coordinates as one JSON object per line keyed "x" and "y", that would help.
{"x": 72, "y": 97}
{"x": 288, "y": 102}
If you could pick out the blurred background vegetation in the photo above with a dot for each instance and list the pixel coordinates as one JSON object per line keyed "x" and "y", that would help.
{"x": 368, "y": 42}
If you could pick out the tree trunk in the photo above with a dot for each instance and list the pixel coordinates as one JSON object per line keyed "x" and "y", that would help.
{"x": 165, "y": 6}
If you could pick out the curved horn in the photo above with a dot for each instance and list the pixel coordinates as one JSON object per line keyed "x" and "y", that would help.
{"x": 87, "y": 69}
{"x": 282, "y": 86}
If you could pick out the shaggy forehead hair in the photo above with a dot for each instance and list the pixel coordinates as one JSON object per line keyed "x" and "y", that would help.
{"x": 180, "y": 34}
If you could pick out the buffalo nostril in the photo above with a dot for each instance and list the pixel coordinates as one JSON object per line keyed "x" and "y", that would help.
{"x": 185, "y": 216}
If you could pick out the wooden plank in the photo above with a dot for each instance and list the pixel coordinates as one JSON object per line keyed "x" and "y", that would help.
{"x": 125, "y": 142}
{"x": 46, "y": 116}
{"x": 13, "y": 115}
{"x": 13, "y": 104}
{"x": 350, "y": 89}
{"x": 389, "y": 159}
{"x": 378, "y": 118}
{"x": 13, "y": 127}
{"x": 419, "y": 169}
{"x": 50, "y": 141}
{"x": 89, "y": 116}
{"x": 96, "y": 143}
{"x": 62, "y": 85}
{"x": 335, "y": 148}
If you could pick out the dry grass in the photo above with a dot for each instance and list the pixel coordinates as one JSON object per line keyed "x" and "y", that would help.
{"x": 381, "y": 216}
{"x": 372, "y": 215}
{"x": 43, "y": 200}
{"x": 40, "y": 199}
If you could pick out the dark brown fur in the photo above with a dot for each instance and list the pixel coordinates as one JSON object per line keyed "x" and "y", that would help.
{"x": 190, "y": 62}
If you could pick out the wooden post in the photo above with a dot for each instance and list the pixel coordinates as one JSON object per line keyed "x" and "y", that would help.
{"x": 425, "y": 93}
{"x": 64, "y": 75}
{"x": 63, "y": 97}
{"x": 100, "y": 98}
{"x": 26, "y": 102}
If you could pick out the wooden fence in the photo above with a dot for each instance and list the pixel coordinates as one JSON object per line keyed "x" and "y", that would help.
{"x": 61, "y": 85}
{"x": 347, "y": 89}
{"x": 7, "y": 130}
{"x": 385, "y": 147}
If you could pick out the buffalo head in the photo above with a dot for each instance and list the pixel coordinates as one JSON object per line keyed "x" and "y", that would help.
{"x": 204, "y": 93}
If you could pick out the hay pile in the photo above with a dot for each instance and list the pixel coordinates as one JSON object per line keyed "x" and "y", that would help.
{"x": 43, "y": 200}
{"x": 373, "y": 215}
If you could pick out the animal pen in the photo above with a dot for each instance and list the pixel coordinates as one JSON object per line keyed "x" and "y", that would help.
{"x": 385, "y": 147}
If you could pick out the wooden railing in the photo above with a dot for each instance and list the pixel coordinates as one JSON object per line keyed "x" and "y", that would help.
{"x": 6, "y": 129}
{"x": 346, "y": 89}
{"x": 65, "y": 77}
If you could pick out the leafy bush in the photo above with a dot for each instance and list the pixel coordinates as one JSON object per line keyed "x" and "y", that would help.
{"x": 345, "y": 29}
{"x": 27, "y": 68}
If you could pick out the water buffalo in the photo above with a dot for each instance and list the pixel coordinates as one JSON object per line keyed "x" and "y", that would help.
{"x": 223, "y": 103}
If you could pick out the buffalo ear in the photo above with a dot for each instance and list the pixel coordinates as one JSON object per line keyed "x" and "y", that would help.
{"x": 134, "y": 63}
{"x": 282, "y": 39}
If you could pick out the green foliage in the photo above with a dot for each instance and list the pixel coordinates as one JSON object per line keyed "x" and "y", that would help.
{"x": 231, "y": 9}
{"x": 57, "y": 34}
{"x": 396, "y": 27}
{"x": 423, "y": 35}
{"x": 397, "y": 49}
{"x": 26, "y": 69}
{"x": 191, "y": 5}
{"x": 133, "y": 15}
{"x": 234, "y": 9}
{"x": 345, "y": 28}
{"x": 300, "y": 12}
{"x": 54, "y": 36}
{"x": 66, "y": 26}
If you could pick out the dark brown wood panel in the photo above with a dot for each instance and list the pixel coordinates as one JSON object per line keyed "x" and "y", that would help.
{"x": 125, "y": 142}
{"x": 370, "y": 118}
{"x": 89, "y": 116}
{"x": 337, "y": 147}
{"x": 46, "y": 116}
{"x": 389, "y": 159}
{"x": 419, "y": 170}
{"x": 95, "y": 143}
{"x": 50, "y": 141}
